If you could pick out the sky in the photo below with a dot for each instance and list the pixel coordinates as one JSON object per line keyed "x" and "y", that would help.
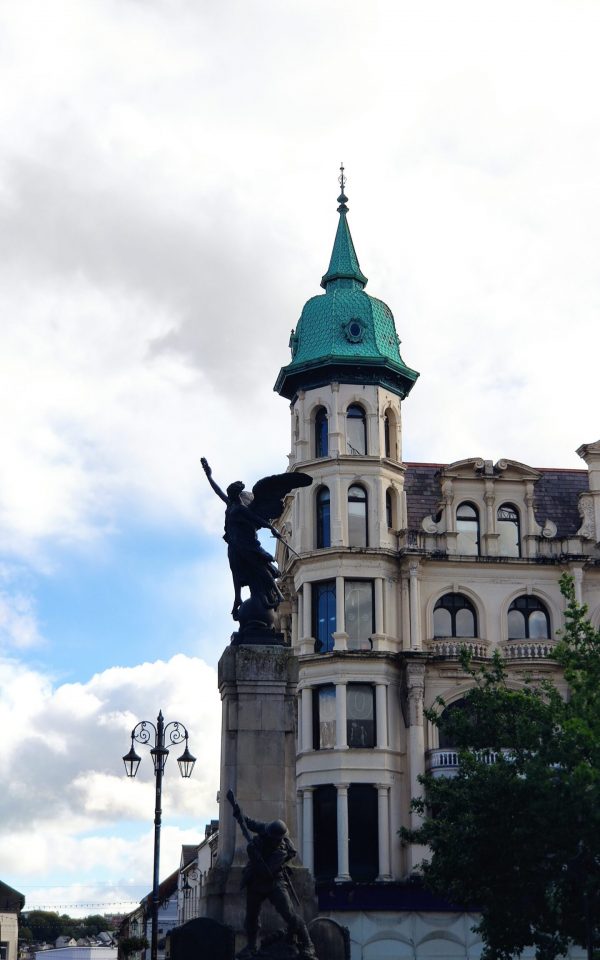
{"x": 168, "y": 185}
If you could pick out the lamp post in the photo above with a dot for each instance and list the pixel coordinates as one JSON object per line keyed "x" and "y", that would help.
{"x": 161, "y": 736}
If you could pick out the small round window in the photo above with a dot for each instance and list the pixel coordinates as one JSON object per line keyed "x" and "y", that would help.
{"x": 353, "y": 330}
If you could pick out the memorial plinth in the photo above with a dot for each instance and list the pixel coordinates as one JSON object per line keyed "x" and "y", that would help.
{"x": 258, "y": 763}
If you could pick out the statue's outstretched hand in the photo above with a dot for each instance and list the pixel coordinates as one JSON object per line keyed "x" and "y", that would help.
{"x": 205, "y": 466}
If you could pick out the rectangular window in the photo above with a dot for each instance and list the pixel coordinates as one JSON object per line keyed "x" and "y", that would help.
{"x": 363, "y": 832}
{"x": 325, "y": 832}
{"x": 323, "y": 615}
{"x": 360, "y": 715}
{"x": 323, "y": 701}
{"x": 359, "y": 613}
{"x": 3, "y": 950}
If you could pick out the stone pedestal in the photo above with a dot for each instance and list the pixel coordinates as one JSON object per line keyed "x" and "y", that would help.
{"x": 258, "y": 762}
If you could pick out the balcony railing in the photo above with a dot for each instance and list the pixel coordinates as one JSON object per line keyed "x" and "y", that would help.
{"x": 528, "y": 649}
{"x": 444, "y": 761}
{"x": 452, "y": 646}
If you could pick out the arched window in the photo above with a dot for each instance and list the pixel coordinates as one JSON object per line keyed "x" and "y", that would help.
{"x": 357, "y": 516}
{"x": 389, "y": 509}
{"x": 467, "y": 526}
{"x": 454, "y": 616}
{"x": 508, "y": 530}
{"x": 356, "y": 429}
{"x": 446, "y": 741}
{"x": 323, "y": 518}
{"x": 389, "y": 435}
{"x": 321, "y": 433}
{"x": 528, "y": 619}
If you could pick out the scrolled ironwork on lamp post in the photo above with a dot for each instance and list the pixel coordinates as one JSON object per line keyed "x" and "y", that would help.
{"x": 159, "y": 737}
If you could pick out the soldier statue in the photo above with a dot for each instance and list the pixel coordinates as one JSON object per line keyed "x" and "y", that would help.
{"x": 266, "y": 877}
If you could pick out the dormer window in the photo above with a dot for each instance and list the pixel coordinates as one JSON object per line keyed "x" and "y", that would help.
{"x": 508, "y": 530}
{"x": 356, "y": 430}
{"x": 467, "y": 526}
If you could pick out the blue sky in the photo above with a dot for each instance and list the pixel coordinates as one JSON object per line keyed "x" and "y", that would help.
{"x": 168, "y": 184}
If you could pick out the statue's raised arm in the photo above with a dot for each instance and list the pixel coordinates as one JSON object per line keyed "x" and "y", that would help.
{"x": 251, "y": 565}
{"x": 208, "y": 472}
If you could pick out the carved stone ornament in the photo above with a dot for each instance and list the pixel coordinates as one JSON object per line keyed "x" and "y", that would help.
{"x": 549, "y": 529}
{"x": 429, "y": 525}
{"x": 586, "y": 511}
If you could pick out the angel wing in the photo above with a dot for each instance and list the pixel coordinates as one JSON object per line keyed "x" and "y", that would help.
{"x": 270, "y": 491}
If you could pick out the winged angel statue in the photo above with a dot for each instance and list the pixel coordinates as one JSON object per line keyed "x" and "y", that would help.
{"x": 251, "y": 565}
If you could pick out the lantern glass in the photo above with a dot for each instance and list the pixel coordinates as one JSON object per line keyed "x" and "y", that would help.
{"x": 186, "y": 762}
{"x": 132, "y": 762}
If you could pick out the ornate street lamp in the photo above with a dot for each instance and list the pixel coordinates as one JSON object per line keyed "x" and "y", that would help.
{"x": 161, "y": 736}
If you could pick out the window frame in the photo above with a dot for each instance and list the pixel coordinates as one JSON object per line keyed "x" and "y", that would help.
{"x": 320, "y": 426}
{"x": 355, "y": 411}
{"x": 476, "y": 519}
{"x": 506, "y": 520}
{"x": 536, "y": 606}
{"x": 321, "y": 588}
{"x": 362, "y": 643}
{"x": 364, "y": 500}
{"x": 452, "y": 609}
{"x": 323, "y": 517}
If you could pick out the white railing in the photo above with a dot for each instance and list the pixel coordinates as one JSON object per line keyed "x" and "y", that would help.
{"x": 444, "y": 761}
{"x": 451, "y": 647}
{"x": 528, "y": 649}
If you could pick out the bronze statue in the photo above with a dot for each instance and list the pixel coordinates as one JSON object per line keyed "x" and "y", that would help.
{"x": 266, "y": 877}
{"x": 251, "y": 565}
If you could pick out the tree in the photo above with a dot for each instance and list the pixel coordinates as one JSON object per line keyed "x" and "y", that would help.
{"x": 516, "y": 833}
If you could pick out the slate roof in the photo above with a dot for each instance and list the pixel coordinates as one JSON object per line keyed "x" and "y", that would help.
{"x": 188, "y": 853}
{"x": 556, "y": 495}
{"x": 423, "y": 491}
{"x": 10, "y": 900}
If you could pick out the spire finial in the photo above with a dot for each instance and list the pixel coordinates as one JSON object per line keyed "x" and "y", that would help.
{"x": 342, "y": 197}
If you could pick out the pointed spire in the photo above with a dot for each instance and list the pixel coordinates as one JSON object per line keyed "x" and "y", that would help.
{"x": 344, "y": 262}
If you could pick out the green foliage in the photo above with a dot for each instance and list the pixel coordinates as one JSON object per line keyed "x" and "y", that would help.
{"x": 518, "y": 839}
{"x": 130, "y": 945}
{"x": 46, "y": 925}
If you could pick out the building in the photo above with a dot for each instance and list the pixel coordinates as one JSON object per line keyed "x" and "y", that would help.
{"x": 138, "y": 923}
{"x": 11, "y": 904}
{"x": 195, "y": 863}
{"x": 400, "y": 565}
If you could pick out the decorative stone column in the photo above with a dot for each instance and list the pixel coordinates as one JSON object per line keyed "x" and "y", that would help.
{"x": 342, "y": 833}
{"x": 415, "y": 606}
{"x": 383, "y": 815}
{"x": 415, "y": 686}
{"x": 308, "y": 830}
{"x": 589, "y": 503}
{"x": 381, "y": 723}
{"x": 306, "y": 738}
{"x": 341, "y": 738}
{"x": 340, "y": 637}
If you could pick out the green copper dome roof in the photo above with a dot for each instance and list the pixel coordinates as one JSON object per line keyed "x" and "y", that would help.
{"x": 345, "y": 334}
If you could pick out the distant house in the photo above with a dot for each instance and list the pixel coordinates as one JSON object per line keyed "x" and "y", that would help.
{"x": 74, "y": 952}
{"x": 11, "y": 904}
{"x": 139, "y": 922}
{"x": 65, "y": 941}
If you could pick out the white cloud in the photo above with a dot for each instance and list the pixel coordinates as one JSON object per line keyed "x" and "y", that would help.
{"x": 63, "y": 747}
